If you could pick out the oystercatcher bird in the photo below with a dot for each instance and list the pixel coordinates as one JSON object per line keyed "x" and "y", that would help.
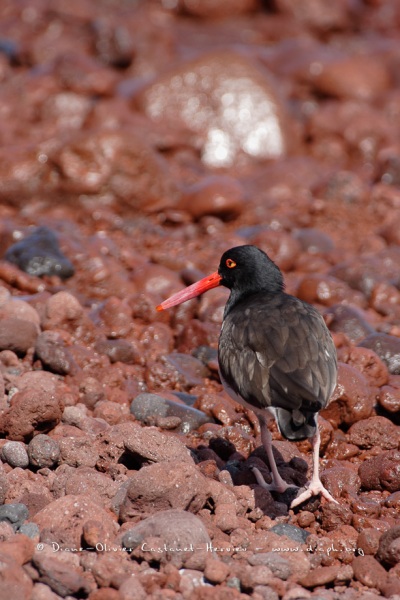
{"x": 275, "y": 354}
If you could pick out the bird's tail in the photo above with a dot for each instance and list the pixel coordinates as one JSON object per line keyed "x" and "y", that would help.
{"x": 296, "y": 425}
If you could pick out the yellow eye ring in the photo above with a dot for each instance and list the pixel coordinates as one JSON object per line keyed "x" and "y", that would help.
{"x": 230, "y": 263}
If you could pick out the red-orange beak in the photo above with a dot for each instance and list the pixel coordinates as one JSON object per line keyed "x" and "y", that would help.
{"x": 207, "y": 283}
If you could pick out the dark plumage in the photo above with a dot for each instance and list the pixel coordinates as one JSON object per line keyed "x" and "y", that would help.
{"x": 275, "y": 352}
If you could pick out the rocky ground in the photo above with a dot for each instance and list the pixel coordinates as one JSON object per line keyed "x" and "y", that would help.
{"x": 138, "y": 141}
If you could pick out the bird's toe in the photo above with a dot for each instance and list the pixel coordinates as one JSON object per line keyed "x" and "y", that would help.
{"x": 277, "y": 485}
{"x": 315, "y": 488}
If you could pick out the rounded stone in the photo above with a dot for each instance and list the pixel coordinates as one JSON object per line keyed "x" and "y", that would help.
{"x": 14, "y": 513}
{"x": 43, "y": 451}
{"x": 15, "y": 454}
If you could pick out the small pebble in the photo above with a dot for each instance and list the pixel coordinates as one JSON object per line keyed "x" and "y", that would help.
{"x": 118, "y": 351}
{"x": 381, "y": 472}
{"x": 17, "y": 335}
{"x": 368, "y": 540}
{"x": 375, "y": 431}
{"x": 349, "y": 320}
{"x": 168, "y": 422}
{"x": 146, "y": 405}
{"x": 215, "y": 570}
{"x": 39, "y": 254}
{"x": 218, "y": 195}
{"x": 369, "y": 572}
{"x": 15, "y": 454}
{"x": 150, "y": 408}
{"x": 54, "y": 355}
{"x": 387, "y": 347}
{"x": 265, "y": 592}
{"x": 31, "y": 530}
{"x": 291, "y": 531}
{"x": 43, "y": 451}
{"x": 279, "y": 565}
{"x": 320, "y": 576}
{"x": 15, "y": 514}
{"x": 305, "y": 518}
{"x": 389, "y": 547}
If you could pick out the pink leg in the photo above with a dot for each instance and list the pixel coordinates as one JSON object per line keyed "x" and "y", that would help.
{"x": 315, "y": 486}
{"x": 278, "y": 484}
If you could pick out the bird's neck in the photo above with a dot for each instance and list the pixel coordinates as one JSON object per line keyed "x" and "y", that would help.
{"x": 236, "y": 297}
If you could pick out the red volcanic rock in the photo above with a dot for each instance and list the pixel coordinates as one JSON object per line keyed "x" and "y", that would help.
{"x": 387, "y": 347}
{"x": 149, "y": 445}
{"x": 349, "y": 320}
{"x": 21, "y": 176}
{"x": 111, "y": 412}
{"x": 43, "y": 451}
{"x": 366, "y": 507}
{"x": 225, "y": 517}
{"x": 88, "y": 482}
{"x": 105, "y": 593}
{"x": 327, "y": 291}
{"x": 19, "y": 309}
{"x": 216, "y": 195}
{"x": 132, "y": 589}
{"x": 334, "y": 516}
{"x": 320, "y": 576}
{"x": 111, "y": 569}
{"x": 369, "y": 364}
{"x": 346, "y": 185}
{"x": 389, "y": 395}
{"x": 111, "y": 444}
{"x": 162, "y": 486}
{"x": 83, "y": 74}
{"x": 389, "y": 547}
{"x": 381, "y": 472}
{"x": 54, "y": 355}
{"x": 65, "y": 579}
{"x": 375, "y": 431}
{"x": 369, "y": 572}
{"x": 17, "y": 335}
{"x": 62, "y": 521}
{"x": 121, "y": 162}
{"x": 316, "y": 14}
{"x": 357, "y": 77}
{"x": 36, "y": 407}
{"x": 385, "y": 299}
{"x": 351, "y": 401}
{"x": 365, "y": 272}
{"x": 368, "y": 540}
{"x": 284, "y": 249}
{"x": 62, "y": 311}
{"x": 115, "y": 317}
{"x": 15, "y": 583}
{"x": 78, "y": 452}
{"x": 216, "y": 8}
{"x": 225, "y": 100}
{"x": 215, "y": 570}
{"x": 27, "y": 488}
{"x": 156, "y": 280}
{"x": 19, "y": 547}
{"x": 182, "y": 534}
{"x": 341, "y": 481}
{"x": 314, "y": 241}
{"x": 67, "y": 109}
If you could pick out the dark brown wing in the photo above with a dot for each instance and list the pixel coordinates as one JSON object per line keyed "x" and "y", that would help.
{"x": 279, "y": 353}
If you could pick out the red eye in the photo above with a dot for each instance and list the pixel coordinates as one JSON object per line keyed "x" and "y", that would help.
{"x": 230, "y": 263}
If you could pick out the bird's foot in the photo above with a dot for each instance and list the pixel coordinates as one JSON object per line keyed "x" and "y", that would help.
{"x": 314, "y": 488}
{"x": 277, "y": 485}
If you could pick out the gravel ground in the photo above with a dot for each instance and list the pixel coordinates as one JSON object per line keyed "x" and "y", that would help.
{"x": 139, "y": 140}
